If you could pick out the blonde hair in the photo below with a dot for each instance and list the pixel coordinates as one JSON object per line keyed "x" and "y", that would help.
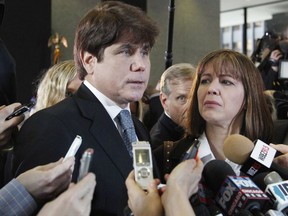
{"x": 53, "y": 84}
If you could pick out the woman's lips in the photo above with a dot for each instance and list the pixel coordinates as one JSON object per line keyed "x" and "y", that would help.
{"x": 209, "y": 102}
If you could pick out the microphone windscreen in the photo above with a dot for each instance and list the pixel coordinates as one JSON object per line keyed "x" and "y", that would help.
{"x": 272, "y": 177}
{"x": 215, "y": 173}
{"x": 237, "y": 148}
{"x": 265, "y": 178}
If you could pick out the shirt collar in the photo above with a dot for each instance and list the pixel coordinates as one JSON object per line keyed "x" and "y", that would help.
{"x": 111, "y": 107}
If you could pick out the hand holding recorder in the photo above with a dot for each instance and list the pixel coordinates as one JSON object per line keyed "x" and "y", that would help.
{"x": 46, "y": 182}
{"x": 21, "y": 110}
{"x": 73, "y": 202}
{"x": 8, "y": 126}
{"x": 143, "y": 202}
{"x": 85, "y": 159}
{"x": 192, "y": 151}
{"x": 181, "y": 184}
{"x": 142, "y": 162}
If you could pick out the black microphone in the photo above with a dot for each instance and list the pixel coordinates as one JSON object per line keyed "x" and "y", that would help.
{"x": 214, "y": 210}
{"x": 206, "y": 197}
{"x": 259, "y": 180}
{"x": 254, "y": 159}
{"x": 233, "y": 193}
{"x": 215, "y": 172}
{"x": 244, "y": 212}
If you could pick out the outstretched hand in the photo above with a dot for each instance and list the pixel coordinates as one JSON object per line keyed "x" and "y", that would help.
{"x": 76, "y": 201}
{"x": 143, "y": 202}
{"x": 48, "y": 181}
{"x": 7, "y": 127}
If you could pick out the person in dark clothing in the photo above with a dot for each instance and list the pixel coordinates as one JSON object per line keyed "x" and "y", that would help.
{"x": 175, "y": 85}
{"x": 270, "y": 50}
{"x": 8, "y": 89}
{"x": 151, "y": 98}
{"x": 270, "y": 56}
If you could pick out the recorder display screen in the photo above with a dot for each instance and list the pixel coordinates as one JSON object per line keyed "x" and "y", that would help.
{"x": 142, "y": 157}
{"x": 283, "y": 70}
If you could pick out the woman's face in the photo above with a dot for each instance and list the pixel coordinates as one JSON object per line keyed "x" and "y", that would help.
{"x": 73, "y": 85}
{"x": 220, "y": 97}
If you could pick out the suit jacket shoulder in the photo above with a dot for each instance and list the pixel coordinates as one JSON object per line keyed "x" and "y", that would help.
{"x": 165, "y": 130}
{"x": 47, "y": 135}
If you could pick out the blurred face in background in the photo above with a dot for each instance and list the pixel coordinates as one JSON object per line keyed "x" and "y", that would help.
{"x": 174, "y": 104}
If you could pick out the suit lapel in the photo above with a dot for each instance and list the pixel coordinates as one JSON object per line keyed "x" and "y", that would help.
{"x": 141, "y": 132}
{"x": 104, "y": 131}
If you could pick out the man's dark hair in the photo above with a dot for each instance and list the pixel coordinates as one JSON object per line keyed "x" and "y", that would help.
{"x": 108, "y": 23}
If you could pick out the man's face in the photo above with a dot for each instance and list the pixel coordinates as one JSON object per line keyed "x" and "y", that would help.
{"x": 123, "y": 73}
{"x": 175, "y": 103}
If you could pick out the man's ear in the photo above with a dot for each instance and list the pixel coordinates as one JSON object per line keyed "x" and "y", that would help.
{"x": 163, "y": 99}
{"x": 88, "y": 61}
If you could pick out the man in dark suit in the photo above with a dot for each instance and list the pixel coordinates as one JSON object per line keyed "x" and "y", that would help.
{"x": 151, "y": 97}
{"x": 112, "y": 54}
{"x": 175, "y": 84}
{"x": 7, "y": 69}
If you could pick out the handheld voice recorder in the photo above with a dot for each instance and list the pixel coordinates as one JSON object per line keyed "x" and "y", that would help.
{"x": 85, "y": 163}
{"x": 192, "y": 151}
{"x": 21, "y": 110}
{"x": 74, "y": 147}
{"x": 142, "y": 162}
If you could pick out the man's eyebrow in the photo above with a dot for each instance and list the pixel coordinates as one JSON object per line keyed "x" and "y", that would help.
{"x": 125, "y": 45}
{"x": 122, "y": 47}
{"x": 146, "y": 46}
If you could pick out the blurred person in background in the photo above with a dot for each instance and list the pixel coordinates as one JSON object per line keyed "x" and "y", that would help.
{"x": 8, "y": 90}
{"x": 58, "y": 82}
{"x": 175, "y": 85}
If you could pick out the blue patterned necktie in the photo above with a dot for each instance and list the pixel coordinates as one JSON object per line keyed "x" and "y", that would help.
{"x": 128, "y": 131}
